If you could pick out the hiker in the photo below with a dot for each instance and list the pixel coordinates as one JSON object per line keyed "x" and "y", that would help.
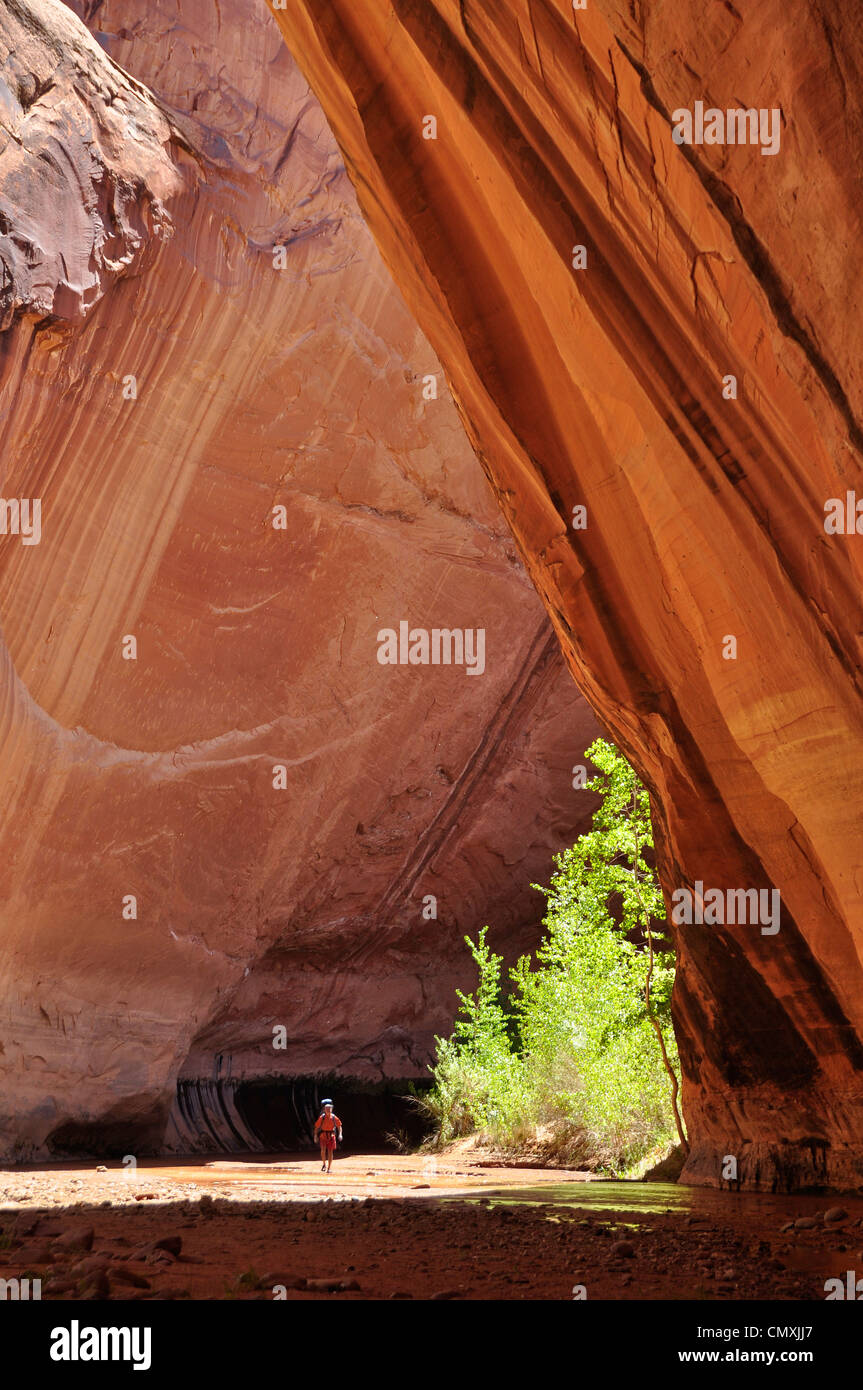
{"x": 325, "y": 1132}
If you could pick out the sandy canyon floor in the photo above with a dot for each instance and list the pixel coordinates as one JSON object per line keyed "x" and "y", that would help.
{"x": 390, "y": 1227}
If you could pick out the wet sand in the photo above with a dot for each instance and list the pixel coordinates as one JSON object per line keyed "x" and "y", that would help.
{"x": 388, "y": 1226}
{"x": 290, "y": 1177}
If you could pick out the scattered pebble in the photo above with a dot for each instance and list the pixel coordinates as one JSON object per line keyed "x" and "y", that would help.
{"x": 81, "y": 1239}
{"x": 836, "y": 1214}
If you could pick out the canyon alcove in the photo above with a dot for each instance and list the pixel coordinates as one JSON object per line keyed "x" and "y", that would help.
{"x": 341, "y": 316}
{"x": 214, "y": 387}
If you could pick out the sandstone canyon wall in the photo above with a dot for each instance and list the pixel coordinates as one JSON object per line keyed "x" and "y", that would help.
{"x": 599, "y": 378}
{"x": 164, "y": 388}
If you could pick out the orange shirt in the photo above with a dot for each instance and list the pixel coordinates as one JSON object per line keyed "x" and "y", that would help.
{"x": 327, "y": 1123}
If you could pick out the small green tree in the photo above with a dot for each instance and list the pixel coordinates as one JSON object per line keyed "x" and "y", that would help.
{"x": 585, "y": 1047}
{"x": 475, "y": 1071}
{"x": 482, "y": 1028}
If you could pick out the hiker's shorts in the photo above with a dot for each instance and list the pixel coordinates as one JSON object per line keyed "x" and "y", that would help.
{"x": 328, "y": 1142}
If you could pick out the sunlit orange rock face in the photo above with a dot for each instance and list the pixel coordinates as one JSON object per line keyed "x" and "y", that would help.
{"x": 600, "y": 379}
{"x": 165, "y": 387}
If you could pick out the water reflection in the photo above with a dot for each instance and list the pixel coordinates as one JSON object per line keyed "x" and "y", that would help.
{"x": 657, "y": 1197}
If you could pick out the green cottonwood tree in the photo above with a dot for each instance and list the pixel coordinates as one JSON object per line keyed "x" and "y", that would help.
{"x": 604, "y": 894}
